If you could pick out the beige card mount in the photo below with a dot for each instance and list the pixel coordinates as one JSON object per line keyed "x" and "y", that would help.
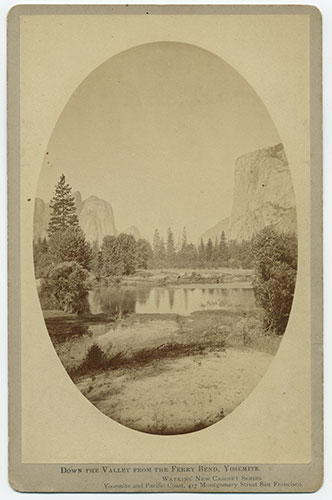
{"x": 165, "y": 248}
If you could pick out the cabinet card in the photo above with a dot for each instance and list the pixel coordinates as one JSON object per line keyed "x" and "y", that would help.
{"x": 165, "y": 248}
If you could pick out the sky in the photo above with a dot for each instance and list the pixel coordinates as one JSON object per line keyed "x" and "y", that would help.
{"x": 155, "y": 131}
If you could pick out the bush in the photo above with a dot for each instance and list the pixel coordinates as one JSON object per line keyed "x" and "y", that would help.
{"x": 275, "y": 258}
{"x": 250, "y": 330}
{"x": 47, "y": 300}
{"x": 119, "y": 255}
{"x": 64, "y": 288}
{"x": 95, "y": 359}
{"x": 70, "y": 245}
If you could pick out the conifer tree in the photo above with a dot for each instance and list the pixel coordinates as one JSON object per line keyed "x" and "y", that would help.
{"x": 63, "y": 209}
{"x": 170, "y": 248}
{"x": 162, "y": 252}
{"x": 144, "y": 253}
{"x": 201, "y": 252}
{"x": 209, "y": 250}
{"x": 128, "y": 252}
{"x": 215, "y": 252}
{"x": 96, "y": 259}
{"x": 223, "y": 248}
{"x": 112, "y": 263}
{"x": 67, "y": 241}
{"x": 184, "y": 238}
{"x": 156, "y": 243}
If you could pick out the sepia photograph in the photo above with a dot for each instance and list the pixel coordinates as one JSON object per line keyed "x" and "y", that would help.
{"x": 164, "y": 238}
{"x": 165, "y": 248}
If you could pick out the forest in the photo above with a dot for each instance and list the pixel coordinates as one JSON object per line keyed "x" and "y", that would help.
{"x": 124, "y": 255}
{"x": 65, "y": 260}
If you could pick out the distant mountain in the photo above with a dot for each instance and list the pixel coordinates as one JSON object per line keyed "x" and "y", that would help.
{"x": 78, "y": 201}
{"x": 41, "y": 219}
{"x": 95, "y": 215}
{"x": 97, "y": 219}
{"x": 263, "y": 196}
{"x": 215, "y": 231}
{"x": 134, "y": 231}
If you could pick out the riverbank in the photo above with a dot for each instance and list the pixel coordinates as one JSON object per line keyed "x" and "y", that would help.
{"x": 164, "y": 277}
{"x": 165, "y": 373}
{"x": 142, "y": 338}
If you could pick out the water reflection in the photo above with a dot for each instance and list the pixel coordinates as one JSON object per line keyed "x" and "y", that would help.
{"x": 171, "y": 294}
{"x": 113, "y": 300}
{"x": 180, "y": 300}
{"x": 185, "y": 295}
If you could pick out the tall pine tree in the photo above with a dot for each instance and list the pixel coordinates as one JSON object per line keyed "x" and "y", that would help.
{"x": 170, "y": 247}
{"x": 162, "y": 252}
{"x": 156, "y": 243}
{"x": 201, "y": 253}
{"x": 63, "y": 209}
{"x": 209, "y": 250}
{"x": 224, "y": 253}
{"x": 184, "y": 238}
{"x": 67, "y": 241}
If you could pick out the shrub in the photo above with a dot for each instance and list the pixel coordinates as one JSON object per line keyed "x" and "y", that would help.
{"x": 250, "y": 330}
{"x": 64, "y": 288}
{"x": 70, "y": 245}
{"x": 275, "y": 258}
{"x": 95, "y": 359}
{"x": 47, "y": 300}
{"x": 119, "y": 255}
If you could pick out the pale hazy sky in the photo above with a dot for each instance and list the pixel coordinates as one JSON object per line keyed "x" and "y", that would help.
{"x": 156, "y": 131}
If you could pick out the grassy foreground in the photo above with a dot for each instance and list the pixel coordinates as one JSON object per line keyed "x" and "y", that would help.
{"x": 166, "y": 374}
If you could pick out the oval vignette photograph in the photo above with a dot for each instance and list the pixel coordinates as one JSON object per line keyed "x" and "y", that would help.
{"x": 165, "y": 238}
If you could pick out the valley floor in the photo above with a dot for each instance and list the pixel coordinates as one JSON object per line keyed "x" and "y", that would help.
{"x": 169, "y": 374}
{"x": 180, "y": 395}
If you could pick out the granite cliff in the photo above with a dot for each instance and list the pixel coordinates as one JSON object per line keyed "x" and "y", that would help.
{"x": 96, "y": 219}
{"x": 41, "y": 219}
{"x": 263, "y": 196}
{"x": 95, "y": 215}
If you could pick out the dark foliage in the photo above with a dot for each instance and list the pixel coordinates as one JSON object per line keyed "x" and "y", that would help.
{"x": 275, "y": 257}
{"x": 95, "y": 359}
{"x": 123, "y": 255}
{"x": 62, "y": 261}
{"x": 41, "y": 257}
{"x": 64, "y": 288}
{"x": 144, "y": 254}
{"x": 220, "y": 253}
{"x": 63, "y": 209}
{"x": 70, "y": 245}
{"x": 96, "y": 260}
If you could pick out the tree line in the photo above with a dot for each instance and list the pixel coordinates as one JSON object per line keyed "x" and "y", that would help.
{"x": 64, "y": 260}
{"x": 212, "y": 254}
{"x": 122, "y": 254}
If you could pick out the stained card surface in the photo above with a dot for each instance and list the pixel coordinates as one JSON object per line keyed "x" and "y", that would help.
{"x": 165, "y": 248}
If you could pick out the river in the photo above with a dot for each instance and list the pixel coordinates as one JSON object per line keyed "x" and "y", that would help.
{"x": 182, "y": 299}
